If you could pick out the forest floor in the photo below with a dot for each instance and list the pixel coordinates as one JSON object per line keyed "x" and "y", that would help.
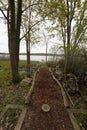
{"x": 46, "y": 91}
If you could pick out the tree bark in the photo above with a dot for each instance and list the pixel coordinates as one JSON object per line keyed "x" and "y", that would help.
{"x": 14, "y": 24}
{"x": 67, "y": 58}
{"x": 29, "y": 42}
{"x": 28, "y": 57}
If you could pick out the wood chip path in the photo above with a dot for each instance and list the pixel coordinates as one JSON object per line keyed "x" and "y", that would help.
{"x": 46, "y": 91}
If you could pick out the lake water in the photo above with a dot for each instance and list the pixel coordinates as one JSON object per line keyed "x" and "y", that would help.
{"x": 37, "y": 58}
{"x": 33, "y": 58}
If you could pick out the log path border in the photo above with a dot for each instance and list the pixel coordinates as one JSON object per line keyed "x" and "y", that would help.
{"x": 27, "y": 100}
{"x": 21, "y": 117}
{"x": 67, "y": 105}
{"x": 71, "y": 111}
{"x": 12, "y": 107}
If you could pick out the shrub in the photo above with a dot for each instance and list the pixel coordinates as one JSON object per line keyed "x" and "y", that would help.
{"x": 77, "y": 64}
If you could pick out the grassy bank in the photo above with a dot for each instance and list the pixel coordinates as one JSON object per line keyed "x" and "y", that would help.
{"x": 10, "y": 93}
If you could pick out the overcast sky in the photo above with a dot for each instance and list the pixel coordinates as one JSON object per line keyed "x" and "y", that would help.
{"x": 39, "y": 48}
{"x": 4, "y": 41}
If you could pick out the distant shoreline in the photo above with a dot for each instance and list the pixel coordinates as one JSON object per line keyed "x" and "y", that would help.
{"x": 33, "y": 56}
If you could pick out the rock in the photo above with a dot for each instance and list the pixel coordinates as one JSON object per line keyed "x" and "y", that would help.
{"x": 22, "y": 70}
{"x": 26, "y": 81}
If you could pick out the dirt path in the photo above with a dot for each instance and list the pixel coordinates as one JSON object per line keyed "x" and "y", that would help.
{"x": 45, "y": 92}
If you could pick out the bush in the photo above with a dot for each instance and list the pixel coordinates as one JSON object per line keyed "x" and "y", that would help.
{"x": 77, "y": 64}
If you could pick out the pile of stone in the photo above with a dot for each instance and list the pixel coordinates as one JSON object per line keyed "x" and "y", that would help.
{"x": 26, "y": 81}
{"x": 71, "y": 83}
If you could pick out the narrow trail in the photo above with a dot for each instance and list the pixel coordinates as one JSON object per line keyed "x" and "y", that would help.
{"x": 45, "y": 91}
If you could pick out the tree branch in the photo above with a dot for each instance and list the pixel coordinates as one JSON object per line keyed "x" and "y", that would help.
{"x": 30, "y": 29}
{"x": 4, "y": 14}
{"x": 30, "y": 6}
{"x": 36, "y": 23}
{"x": 81, "y": 35}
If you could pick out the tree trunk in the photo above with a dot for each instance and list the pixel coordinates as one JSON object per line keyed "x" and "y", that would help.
{"x": 29, "y": 42}
{"x": 67, "y": 58}
{"x": 28, "y": 58}
{"x": 14, "y": 23}
{"x": 46, "y": 51}
{"x": 13, "y": 59}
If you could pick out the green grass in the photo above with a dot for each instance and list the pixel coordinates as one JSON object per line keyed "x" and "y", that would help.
{"x": 80, "y": 118}
{"x": 5, "y": 73}
{"x": 32, "y": 63}
{"x": 10, "y": 93}
{"x": 12, "y": 115}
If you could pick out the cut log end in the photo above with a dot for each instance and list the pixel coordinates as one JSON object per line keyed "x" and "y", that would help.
{"x": 45, "y": 108}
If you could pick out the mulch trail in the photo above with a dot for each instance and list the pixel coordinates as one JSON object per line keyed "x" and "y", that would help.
{"x": 45, "y": 91}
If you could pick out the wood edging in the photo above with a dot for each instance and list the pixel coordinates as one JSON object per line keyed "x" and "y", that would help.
{"x": 10, "y": 106}
{"x": 71, "y": 113}
{"x": 27, "y": 100}
{"x": 68, "y": 96}
{"x": 73, "y": 120}
{"x": 65, "y": 99}
{"x": 67, "y": 105}
{"x": 21, "y": 117}
{"x": 20, "y": 120}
